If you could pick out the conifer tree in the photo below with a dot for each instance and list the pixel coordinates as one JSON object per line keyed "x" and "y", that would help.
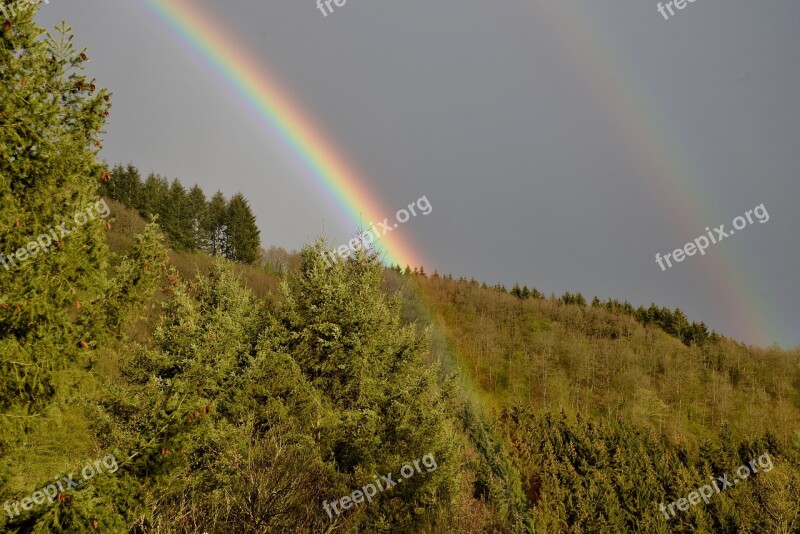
{"x": 242, "y": 232}
{"x": 176, "y": 218}
{"x": 52, "y": 115}
{"x": 216, "y": 226}
{"x": 123, "y": 184}
{"x": 516, "y": 291}
{"x": 197, "y": 207}
{"x": 346, "y": 337}
{"x": 152, "y": 200}
{"x": 51, "y": 220}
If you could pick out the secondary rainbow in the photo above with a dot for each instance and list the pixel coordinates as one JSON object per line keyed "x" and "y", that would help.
{"x": 661, "y": 157}
{"x": 652, "y": 147}
{"x": 283, "y": 118}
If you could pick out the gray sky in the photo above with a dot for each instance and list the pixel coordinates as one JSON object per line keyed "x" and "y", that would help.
{"x": 561, "y": 144}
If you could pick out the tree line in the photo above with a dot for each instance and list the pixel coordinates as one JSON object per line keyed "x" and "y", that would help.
{"x": 219, "y": 226}
{"x": 674, "y": 323}
{"x": 230, "y": 413}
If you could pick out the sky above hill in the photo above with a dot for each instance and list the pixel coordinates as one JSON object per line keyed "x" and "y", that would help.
{"x": 561, "y": 144}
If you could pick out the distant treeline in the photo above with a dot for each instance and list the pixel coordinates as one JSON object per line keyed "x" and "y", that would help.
{"x": 217, "y": 226}
{"x": 672, "y": 322}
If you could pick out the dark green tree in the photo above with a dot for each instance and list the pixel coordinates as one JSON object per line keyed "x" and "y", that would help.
{"x": 51, "y": 116}
{"x": 197, "y": 207}
{"x": 215, "y": 225}
{"x": 123, "y": 184}
{"x": 243, "y": 239}
{"x": 153, "y": 197}
{"x": 176, "y": 219}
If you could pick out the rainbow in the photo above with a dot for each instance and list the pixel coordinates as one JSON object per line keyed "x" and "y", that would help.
{"x": 282, "y": 117}
{"x": 654, "y": 151}
{"x": 660, "y": 156}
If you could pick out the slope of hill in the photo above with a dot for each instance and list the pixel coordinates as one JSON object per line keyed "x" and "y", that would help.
{"x": 144, "y": 390}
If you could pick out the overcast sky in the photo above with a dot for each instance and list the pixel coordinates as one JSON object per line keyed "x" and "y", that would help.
{"x": 560, "y": 147}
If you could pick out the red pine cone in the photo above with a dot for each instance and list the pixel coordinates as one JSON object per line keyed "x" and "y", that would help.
{"x": 7, "y": 25}
{"x": 106, "y": 176}
{"x": 83, "y": 57}
{"x": 84, "y": 345}
{"x": 92, "y": 88}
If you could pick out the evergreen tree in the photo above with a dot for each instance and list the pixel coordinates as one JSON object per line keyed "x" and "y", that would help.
{"x": 48, "y": 175}
{"x": 153, "y": 197}
{"x": 176, "y": 219}
{"x": 52, "y": 296}
{"x": 215, "y": 225}
{"x": 346, "y": 337}
{"x": 242, "y": 232}
{"x": 123, "y": 184}
{"x": 197, "y": 208}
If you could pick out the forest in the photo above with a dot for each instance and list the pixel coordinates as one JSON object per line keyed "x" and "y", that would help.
{"x": 211, "y": 385}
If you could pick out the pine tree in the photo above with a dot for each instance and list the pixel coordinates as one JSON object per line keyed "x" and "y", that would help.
{"x": 153, "y": 197}
{"x": 177, "y": 219}
{"x": 53, "y": 268}
{"x": 516, "y": 291}
{"x": 345, "y": 335}
{"x": 197, "y": 207}
{"x": 123, "y": 185}
{"x": 48, "y": 175}
{"x": 242, "y": 231}
{"x": 215, "y": 225}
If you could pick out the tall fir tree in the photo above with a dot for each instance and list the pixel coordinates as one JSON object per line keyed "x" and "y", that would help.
{"x": 176, "y": 218}
{"x": 123, "y": 184}
{"x": 52, "y": 117}
{"x": 197, "y": 207}
{"x": 154, "y": 192}
{"x": 243, "y": 233}
{"x": 215, "y": 225}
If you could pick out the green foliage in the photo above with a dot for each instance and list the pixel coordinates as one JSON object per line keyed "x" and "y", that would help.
{"x": 242, "y": 231}
{"x": 228, "y": 412}
{"x": 219, "y": 227}
{"x": 51, "y": 116}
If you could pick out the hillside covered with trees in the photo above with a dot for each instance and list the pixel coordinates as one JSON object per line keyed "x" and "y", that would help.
{"x": 222, "y": 396}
